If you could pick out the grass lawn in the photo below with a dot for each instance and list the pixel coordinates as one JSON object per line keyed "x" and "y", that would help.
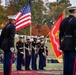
{"x": 49, "y": 65}
{"x": 55, "y": 65}
{"x": 51, "y": 51}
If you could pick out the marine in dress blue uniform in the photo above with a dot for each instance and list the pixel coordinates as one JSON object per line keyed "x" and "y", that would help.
{"x": 20, "y": 53}
{"x": 7, "y": 45}
{"x": 34, "y": 53}
{"x": 46, "y": 54}
{"x": 27, "y": 53}
{"x": 67, "y": 37}
{"x": 42, "y": 54}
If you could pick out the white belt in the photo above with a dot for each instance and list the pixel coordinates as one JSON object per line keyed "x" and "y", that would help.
{"x": 68, "y": 36}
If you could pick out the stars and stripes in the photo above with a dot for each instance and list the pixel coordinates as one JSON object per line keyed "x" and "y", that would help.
{"x": 23, "y": 18}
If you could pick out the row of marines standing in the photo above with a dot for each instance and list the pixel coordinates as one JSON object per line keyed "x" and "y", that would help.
{"x": 30, "y": 51}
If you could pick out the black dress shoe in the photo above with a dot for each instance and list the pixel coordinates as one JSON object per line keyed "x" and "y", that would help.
{"x": 41, "y": 69}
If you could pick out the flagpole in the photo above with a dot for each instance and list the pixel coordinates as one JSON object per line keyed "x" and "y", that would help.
{"x": 64, "y": 13}
{"x": 30, "y": 27}
{"x": 31, "y": 15}
{"x": 44, "y": 39}
{"x": 30, "y": 30}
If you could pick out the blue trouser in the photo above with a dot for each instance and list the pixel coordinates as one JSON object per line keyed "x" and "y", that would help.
{"x": 34, "y": 59}
{"x": 19, "y": 61}
{"x": 7, "y": 62}
{"x": 69, "y": 59}
{"x": 23, "y": 62}
{"x": 27, "y": 62}
{"x": 41, "y": 62}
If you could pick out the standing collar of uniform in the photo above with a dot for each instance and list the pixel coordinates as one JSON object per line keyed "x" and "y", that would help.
{"x": 9, "y": 22}
{"x": 20, "y": 41}
{"x": 71, "y": 16}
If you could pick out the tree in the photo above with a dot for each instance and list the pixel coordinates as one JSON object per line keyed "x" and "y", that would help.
{"x": 35, "y": 30}
{"x": 65, "y": 2}
{"x": 14, "y": 7}
{"x": 37, "y": 12}
{"x": 44, "y": 30}
{"x": 37, "y": 9}
{"x": 56, "y": 8}
{"x": 40, "y": 30}
{"x": 0, "y": 2}
{"x": 2, "y": 16}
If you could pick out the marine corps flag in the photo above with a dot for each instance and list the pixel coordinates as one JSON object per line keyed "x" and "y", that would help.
{"x": 54, "y": 36}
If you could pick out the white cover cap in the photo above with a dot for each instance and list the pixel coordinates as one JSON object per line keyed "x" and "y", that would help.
{"x": 20, "y": 36}
{"x": 35, "y": 37}
{"x": 71, "y": 8}
{"x": 27, "y": 37}
{"x": 41, "y": 37}
{"x": 12, "y": 17}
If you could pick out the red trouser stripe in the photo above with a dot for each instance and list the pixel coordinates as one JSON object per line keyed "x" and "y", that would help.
{"x": 11, "y": 64}
{"x": 74, "y": 66}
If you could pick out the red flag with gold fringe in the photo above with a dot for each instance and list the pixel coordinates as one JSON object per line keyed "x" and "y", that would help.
{"x": 54, "y": 36}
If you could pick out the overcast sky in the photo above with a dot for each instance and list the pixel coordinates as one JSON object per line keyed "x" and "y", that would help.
{"x": 71, "y": 1}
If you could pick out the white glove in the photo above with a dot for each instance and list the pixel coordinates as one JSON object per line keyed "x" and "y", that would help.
{"x": 21, "y": 48}
{"x": 12, "y": 49}
{"x": 44, "y": 54}
{"x": 75, "y": 48}
{"x": 22, "y": 52}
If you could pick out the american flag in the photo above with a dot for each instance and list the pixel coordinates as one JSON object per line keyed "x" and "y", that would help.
{"x": 23, "y": 18}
